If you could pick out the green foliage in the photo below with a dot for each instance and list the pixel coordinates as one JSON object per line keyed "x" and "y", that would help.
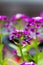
{"x": 40, "y": 62}
{"x": 4, "y": 62}
{"x": 38, "y": 58}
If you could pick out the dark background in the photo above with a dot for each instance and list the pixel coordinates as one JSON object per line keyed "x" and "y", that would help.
{"x": 28, "y": 7}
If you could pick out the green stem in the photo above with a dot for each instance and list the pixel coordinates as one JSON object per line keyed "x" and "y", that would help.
{"x": 36, "y": 51}
{"x": 1, "y": 48}
{"x": 21, "y": 52}
{"x": 20, "y": 49}
{"x": 36, "y": 48}
{"x": 36, "y": 43}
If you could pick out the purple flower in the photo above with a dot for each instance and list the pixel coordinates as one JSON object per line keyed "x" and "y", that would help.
{"x": 20, "y": 31}
{"x": 18, "y": 16}
{"x": 14, "y": 52}
{"x": 31, "y": 20}
{"x": 23, "y": 42}
{"x": 15, "y": 33}
{"x": 41, "y": 20}
{"x": 28, "y": 63}
{"x": 32, "y": 29}
{"x": 26, "y": 28}
{"x": 32, "y": 24}
{"x": 3, "y": 17}
{"x": 11, "y": 37}
{"x": 26, "y": 32}
{"x": 18, "y": 35}
{"x": 12, "y": 33}
{"x": 26, "y": 19}
{"x": 37, "y": 34}
{"x": 22, "y": 63}
{"x": 41, "y": 40}
{"x": 28, "y": 42}
{"x": 37, "y": 18}
{"x": 38, "y": 26}
{"x": 28, "y": 25}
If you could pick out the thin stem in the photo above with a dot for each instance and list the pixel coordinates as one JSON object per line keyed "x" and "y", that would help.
{"x": 21, "y": 52}
{"x": 36, "y": 48}
{"x": 1, "y": 48}
{"x": 36, "y": 42}
{"x": 36, "y": 51}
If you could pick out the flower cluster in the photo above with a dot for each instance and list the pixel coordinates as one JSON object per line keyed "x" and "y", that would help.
{"x": 22, "y": 30}
{"x": 31, "y": 27}
{"x": 23, "y": 36}
{"x": 29, "y": 32}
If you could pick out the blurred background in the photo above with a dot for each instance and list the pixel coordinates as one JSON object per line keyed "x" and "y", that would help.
{"x": 28, "y": 7}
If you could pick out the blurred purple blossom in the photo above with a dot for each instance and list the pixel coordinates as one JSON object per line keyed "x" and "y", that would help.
{"x": 37, "y": 34}
{"x": 38, "y": 26}
{"x": 28, "y": 63}
{"x": 3, "y": 18}
{"x": 32, "y": 29}
{"x": 23, "y": 42}
{"x": 18, "y": 16}
{"x": 14, "y": 52}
